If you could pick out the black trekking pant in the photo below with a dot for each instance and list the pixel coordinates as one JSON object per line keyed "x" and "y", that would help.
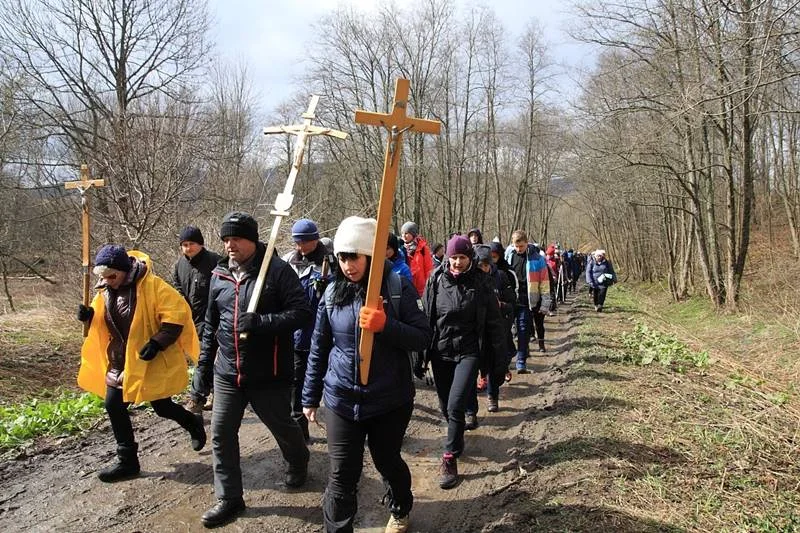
{"x": 384, "y": 435}
{"x": 121, "y": 420}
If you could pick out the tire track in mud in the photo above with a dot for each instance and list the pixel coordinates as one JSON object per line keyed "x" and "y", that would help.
{"x": 57, "y": 490}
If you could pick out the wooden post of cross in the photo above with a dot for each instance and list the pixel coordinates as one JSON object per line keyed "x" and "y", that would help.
{"x": 284, "y": 200}
{"x": 83, "y": 185}
{"x": 397, "y": 123}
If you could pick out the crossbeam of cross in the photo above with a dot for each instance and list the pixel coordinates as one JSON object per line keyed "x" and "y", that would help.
{"x": 396, "y": 123}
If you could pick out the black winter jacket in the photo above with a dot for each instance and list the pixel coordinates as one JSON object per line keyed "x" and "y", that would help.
{"x": 456, "y": 304}
{"x": 192, "y": 278}
{"x": 267, "y": 355}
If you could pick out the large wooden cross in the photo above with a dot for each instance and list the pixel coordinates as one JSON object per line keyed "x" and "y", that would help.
{"x": 397, "y": 123}
{"x": 284, "y": 200}
{"x": 83, "y": 185}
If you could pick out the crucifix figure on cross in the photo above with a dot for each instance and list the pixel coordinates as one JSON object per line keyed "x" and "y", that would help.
{"x": 83, "y": 185}
{"x": 284, "y": 200}
{"x": 396, "y": 123}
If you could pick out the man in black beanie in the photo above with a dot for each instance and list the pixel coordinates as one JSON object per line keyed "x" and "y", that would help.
{"x": 191, "y": 276}
{"x": 258, "y": 370}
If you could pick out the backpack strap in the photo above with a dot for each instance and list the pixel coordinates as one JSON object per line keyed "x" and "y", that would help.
{"x": 393, "y": 283}
{"x": 395, "y": 286}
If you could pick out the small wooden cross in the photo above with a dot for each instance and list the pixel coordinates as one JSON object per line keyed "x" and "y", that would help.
{"x": 284, "y": 200}
{"x": 397, "y": 123}
{"x": 83, "y": 185}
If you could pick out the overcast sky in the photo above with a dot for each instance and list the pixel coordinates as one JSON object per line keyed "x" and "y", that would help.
{"x": 272, "y": 37}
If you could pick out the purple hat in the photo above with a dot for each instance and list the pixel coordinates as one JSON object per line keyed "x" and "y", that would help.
{"x": 113, "y": 256}
{"x": 459, "y": 245}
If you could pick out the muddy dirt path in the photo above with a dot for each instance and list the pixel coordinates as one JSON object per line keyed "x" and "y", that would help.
{"x": 56, "y": 489}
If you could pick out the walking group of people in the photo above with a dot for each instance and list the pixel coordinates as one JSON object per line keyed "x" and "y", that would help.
{"x": 453, "y": 309}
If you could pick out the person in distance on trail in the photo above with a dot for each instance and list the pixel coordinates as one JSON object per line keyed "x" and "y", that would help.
{"x": 602, "y": 277}
{"x": 140, "y": 333}
{"x": 438, "y": 254}
{"x": 191, "y": 277}
{"x": 397, "y": 256}
{"x": 533, "y": 293}
{"x": 420, "y": 259}
{"x": 508, "y": 291}
{"x": 475, "y": 236}
{"x": 257, "y": 370}
{"x": 378, "y": 412}
{"x": 589, "y": 267}
{"x": 315, "y": 267}
{"x": 464, "y": 312}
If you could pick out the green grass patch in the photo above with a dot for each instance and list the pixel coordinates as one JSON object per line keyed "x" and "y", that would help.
{"x": 645, "y": 345}
{"x": 65, "y": 415}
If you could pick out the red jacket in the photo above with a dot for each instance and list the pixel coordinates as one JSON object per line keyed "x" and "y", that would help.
{"x": 421, "y": 264}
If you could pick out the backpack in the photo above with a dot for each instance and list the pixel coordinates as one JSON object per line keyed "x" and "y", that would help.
{"x": 393, "y": 283}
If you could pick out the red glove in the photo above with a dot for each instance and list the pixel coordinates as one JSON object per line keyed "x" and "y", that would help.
{"x": 373, "y": 320}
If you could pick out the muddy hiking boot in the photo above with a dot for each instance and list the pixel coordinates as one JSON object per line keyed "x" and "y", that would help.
{"x": 470, "y": 421}
{"x": 541, "y": 346}
{"x": 448, "y": 472}
{"x": 224, "y": 511}
{"x": 397, "y": 524}
{"x": 209, "y": 405}
{"x": 127, "y": 465}
{"x": 194, "y": 407}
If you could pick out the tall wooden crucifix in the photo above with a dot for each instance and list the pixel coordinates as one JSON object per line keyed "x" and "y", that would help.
{"x": 284, "y": 200}
{"x": 397, "y": 123}
{"x": 83, "y": 185}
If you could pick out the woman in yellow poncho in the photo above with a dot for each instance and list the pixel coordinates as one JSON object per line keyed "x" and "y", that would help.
{"x": 140, "y": 333}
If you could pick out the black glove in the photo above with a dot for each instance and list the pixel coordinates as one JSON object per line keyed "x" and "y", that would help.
{"x": 85, "y": 314}
{"x": 319, "y": 285}
{"x": 249, "y": 322}
{"x": 149, "y": 350}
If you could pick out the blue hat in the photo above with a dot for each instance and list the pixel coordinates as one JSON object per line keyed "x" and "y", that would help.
{"x": 305, "y": 230}
{"x": 113, "y": 256}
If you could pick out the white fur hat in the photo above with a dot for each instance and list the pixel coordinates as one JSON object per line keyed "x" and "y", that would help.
{"x": 355, "y": 235}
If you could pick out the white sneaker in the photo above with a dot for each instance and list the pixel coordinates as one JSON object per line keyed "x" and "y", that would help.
{"x": 397, "y": 525}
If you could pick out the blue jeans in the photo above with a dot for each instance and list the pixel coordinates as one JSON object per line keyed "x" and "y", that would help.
{"x": 384, "y": 435}
{"x": 522, "y": 317}
{"x": 455, "y": 383}
{"x": 272, "y": 404}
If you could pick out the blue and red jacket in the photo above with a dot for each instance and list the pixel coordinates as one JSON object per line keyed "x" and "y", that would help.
{"x": 267, "y": 355}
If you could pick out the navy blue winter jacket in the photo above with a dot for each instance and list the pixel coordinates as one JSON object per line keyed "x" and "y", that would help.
{"x": 333, "y": 369}
{"x": 267, "y": 355}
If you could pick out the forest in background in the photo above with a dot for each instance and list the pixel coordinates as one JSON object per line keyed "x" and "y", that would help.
{"x": 679, "y": 154}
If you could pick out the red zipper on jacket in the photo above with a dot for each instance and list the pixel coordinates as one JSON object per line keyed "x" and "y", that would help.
{"x": 275, "y": 358}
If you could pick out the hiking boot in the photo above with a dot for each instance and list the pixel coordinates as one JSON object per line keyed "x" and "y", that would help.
{"x": 127, "y": 466}
{"x": 470, "y": 421}
{"x": 448, "y": 472}
{"x": 508, "y": 377}
{"x": 522, "y": 370}
{"x": 397, "y": 525}
{"x": 481, "y": 384}
{"x": 194, "y": 407}
{"x": 492, "y": 405}
{"x": 209, "y": 405}
{"x": 597, "y": 308}
{"x": 296, "y": 476}
{"x": 198, "y": 433}
{"x": 541, "y": 346}
{"x": 224, "y": 511}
